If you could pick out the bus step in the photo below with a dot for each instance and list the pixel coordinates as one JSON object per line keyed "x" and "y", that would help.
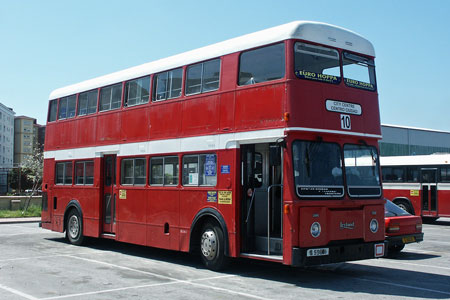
{"x": 109, "y": 236}
{"x": 274, "y": 258}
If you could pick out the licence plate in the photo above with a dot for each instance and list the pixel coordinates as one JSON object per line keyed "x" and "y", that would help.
{"x": 317, "y": 252}
{"x": 408, "y": 239}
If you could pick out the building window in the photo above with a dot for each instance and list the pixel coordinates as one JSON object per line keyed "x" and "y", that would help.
{"x": 67, "y": 107}
{"x": 133, "y": 171}
{"x": 87, "y": 103}
{"x": 263, "y": 64}
{"x": 110, "y": 97}
{"x": 168, "y": 85}
{"x": 203, "y": 77}
{"x": 200, "y": 170}
{"x": 84, "y": 173}
{"x": 164, "y": 170}
{"x": 137, "y": 91}
{"x": 64, "y": 173}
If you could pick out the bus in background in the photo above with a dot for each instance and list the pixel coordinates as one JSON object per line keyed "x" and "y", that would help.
{"x": 420, "y": 184}
{"x": 263, "y": 146}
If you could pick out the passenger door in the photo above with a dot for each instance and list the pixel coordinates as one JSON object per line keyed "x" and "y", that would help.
{"x": 429, "y": 191}
{"x": 109, "y": 195}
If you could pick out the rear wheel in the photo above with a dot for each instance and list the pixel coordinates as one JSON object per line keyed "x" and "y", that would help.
{"x": 396, "y": 249}
{"x": 405, "y": 206}
{"x": 74, "y": 228}
{"x": 212, "y": 246}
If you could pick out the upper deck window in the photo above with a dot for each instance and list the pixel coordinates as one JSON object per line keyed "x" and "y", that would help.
{"x": 359, "y": 71}
{"x": 67, "y": 107}
{"x": 110, "y": 97}
{"x": 203, "y": 77}
{"x": 168, "y": 85}
{"x": 137, "y": 91}
{"x": 263, "y": 64}
{"x": 52, "y": 110}
{"x": 317, "y": 63}
{"x": 87, "y": 103}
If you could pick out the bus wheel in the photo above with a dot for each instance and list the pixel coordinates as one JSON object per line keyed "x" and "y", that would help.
{"x": 395, "y": 249}
{"x": 212, "y": 246}
{"x": 74, "y": 228}
{"x": 405, "y": 206}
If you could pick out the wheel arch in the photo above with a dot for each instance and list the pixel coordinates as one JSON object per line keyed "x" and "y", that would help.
{"x": 73, "y": 204}
{"x": 404, "y": 199}
{"x": 200, "y": 219}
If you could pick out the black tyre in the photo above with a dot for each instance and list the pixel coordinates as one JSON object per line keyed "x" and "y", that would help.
{"x": 74, "y": 228}
{"x": 212, "y": 247}
{"x": 405, "y": 206}
{"x": 396, "y": 249}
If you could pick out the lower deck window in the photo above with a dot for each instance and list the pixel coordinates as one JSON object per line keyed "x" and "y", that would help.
{"x": 164, "y": 170}
{"x": 133, "y": 171}
{"x": 84, "y": 173}
{"x": 200, "y": 170}
{"x": 318, "y": 169}
{"x": 63, "y": 173}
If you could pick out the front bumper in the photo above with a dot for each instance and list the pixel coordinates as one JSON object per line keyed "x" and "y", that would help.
{"x": 338, "y": 253}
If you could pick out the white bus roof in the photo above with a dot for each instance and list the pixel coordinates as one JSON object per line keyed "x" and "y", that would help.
{"x": 415, "y": 160}
{"x": 321, "y": 33}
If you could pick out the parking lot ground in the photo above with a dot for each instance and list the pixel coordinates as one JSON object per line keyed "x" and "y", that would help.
{"x": 39, "y": 264}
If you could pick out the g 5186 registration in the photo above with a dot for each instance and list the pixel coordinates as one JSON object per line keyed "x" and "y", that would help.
{"x": 317, "y": 252}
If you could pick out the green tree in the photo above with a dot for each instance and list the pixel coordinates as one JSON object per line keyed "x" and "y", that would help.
{"x": 18, "y": 179}
{"x": 34, "y": 165}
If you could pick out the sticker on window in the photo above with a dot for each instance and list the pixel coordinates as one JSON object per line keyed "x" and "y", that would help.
{"x": 317, "y": 76}
{"x": 193, "y": 178}
{"x": 210, "y": 165}
{"x": 359, "y": 84}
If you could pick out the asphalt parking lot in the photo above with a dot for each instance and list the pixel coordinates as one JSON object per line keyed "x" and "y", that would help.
{"x": 39, "y": 264}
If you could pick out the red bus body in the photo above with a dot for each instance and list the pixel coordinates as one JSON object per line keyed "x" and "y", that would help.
{"x": 237, "y": 131}
{"x": 420, "y": 184}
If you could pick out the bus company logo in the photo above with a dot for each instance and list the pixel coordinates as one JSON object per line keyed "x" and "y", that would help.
{"x": 346, "y": 225}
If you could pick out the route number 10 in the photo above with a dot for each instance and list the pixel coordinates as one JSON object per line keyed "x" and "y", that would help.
{"x": 346, "y": 122}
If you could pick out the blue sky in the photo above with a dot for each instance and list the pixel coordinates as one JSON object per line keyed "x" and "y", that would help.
{"x": 49, "y": 44}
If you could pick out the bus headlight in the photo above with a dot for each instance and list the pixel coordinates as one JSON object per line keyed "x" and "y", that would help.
{"x": 374, "y": 225}
{"x": 315, "y": 229}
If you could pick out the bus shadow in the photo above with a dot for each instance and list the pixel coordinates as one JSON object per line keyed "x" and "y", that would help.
{"x": 342, "y": 277}
{"x": 410, "y": 255}
{"x": 441, "y": 222}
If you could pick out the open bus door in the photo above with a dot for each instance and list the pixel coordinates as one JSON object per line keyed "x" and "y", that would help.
{"x": 261, "y": 205}
{"x": 109, "y": 194}
{"x": 429, "y": 192}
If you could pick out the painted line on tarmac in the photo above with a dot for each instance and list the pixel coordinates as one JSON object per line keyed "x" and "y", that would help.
{"x": 403, "y": 286}
{"x": 17, "y": 293}
{"x": 173, "y": 280}
{"x": 50, "y": 255}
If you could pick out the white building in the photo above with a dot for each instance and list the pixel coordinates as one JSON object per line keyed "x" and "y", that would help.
{"x": 6, "y": 145}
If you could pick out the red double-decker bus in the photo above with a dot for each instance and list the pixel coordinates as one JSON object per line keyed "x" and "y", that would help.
{"x": 420, "y": 184}
{"x": 263, "y": 146}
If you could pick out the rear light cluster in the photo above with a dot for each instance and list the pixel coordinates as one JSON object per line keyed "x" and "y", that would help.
{"x": 419, "y": 227}
{"x": 393, "y": 228}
